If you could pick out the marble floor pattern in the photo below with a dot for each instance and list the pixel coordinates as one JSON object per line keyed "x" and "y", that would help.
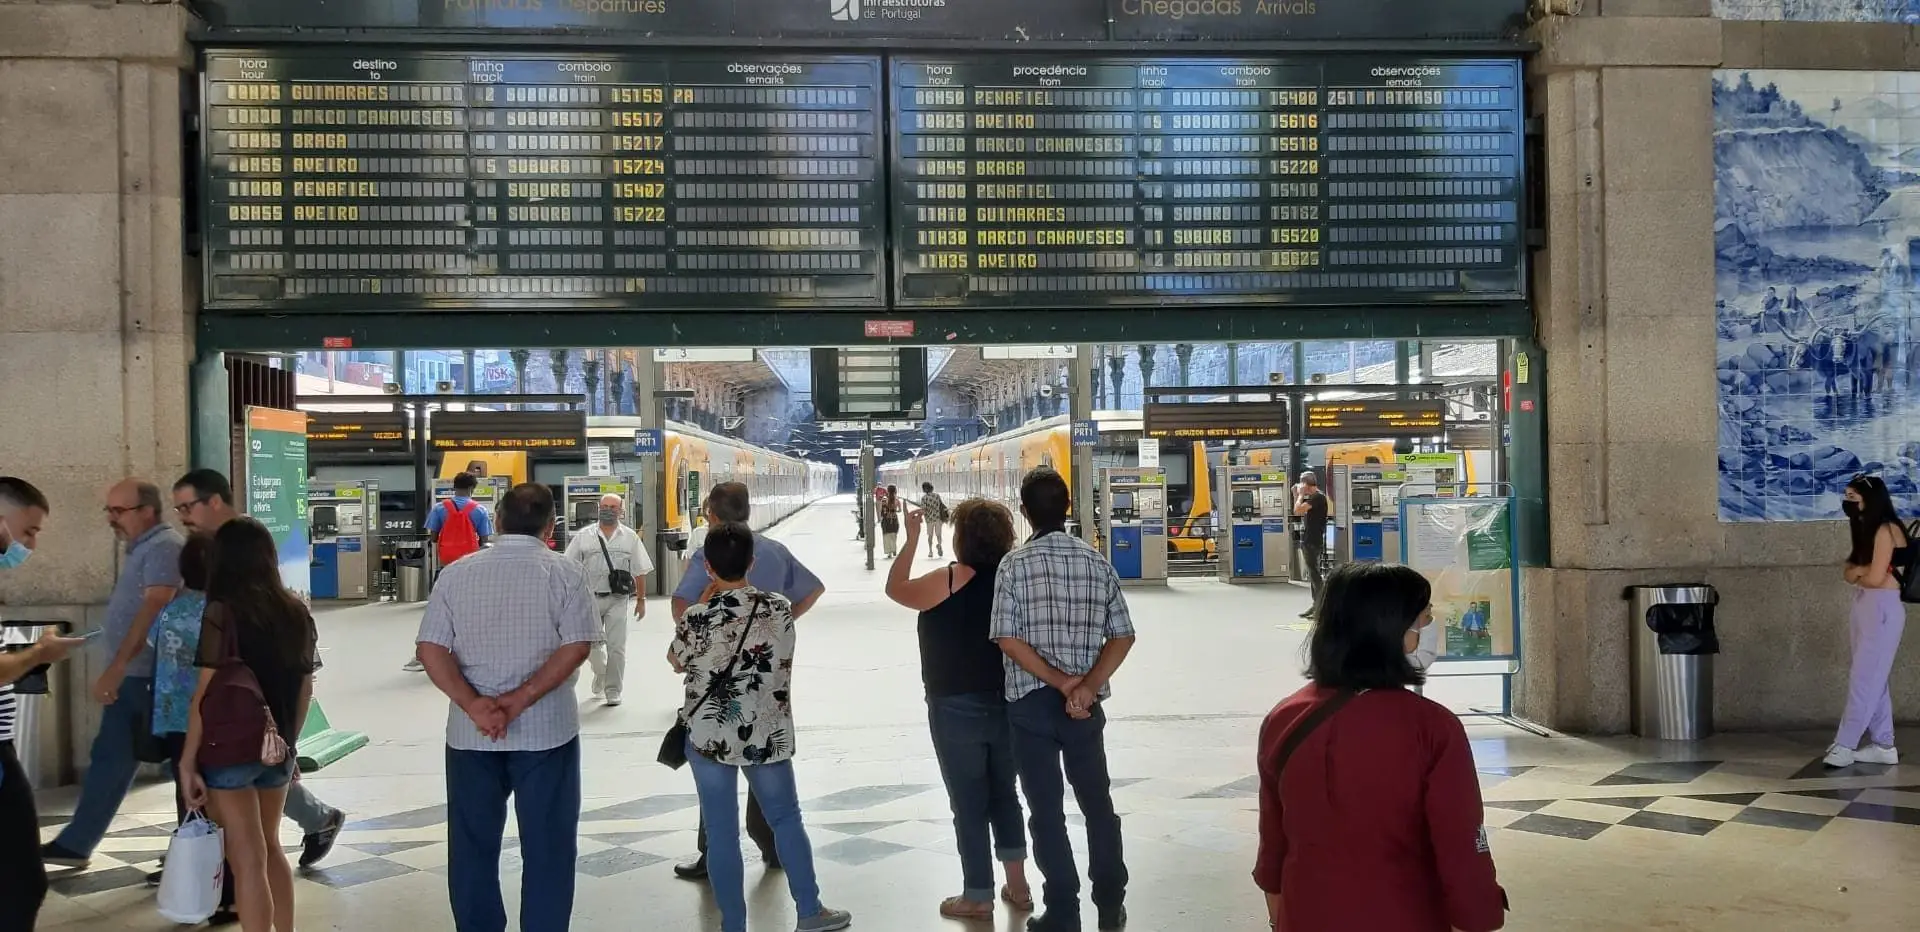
{"x": 1739, "y": 832}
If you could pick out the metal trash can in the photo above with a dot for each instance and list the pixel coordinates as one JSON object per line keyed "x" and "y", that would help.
{"x": 410, "y": 574}
{"x": 1673, "y": 643}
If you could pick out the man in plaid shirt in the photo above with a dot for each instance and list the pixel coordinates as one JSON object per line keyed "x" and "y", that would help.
{"x": 1060, "y": 618}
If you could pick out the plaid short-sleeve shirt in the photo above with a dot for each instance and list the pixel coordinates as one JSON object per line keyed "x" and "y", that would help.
{"x": 1059, "y": 595}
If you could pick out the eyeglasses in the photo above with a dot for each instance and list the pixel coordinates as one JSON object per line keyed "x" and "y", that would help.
{"x": 183, "y": 508}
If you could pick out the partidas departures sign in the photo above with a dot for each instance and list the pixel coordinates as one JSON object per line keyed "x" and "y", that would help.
{"x": 1016, "y": 21}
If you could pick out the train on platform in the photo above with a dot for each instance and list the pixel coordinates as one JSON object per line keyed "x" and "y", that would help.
{"x": 697, "y": 460}
{"x": 993, "y": 466}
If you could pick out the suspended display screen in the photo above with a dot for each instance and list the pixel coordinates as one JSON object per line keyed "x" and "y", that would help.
{"x": 1034, "y": 182}
{"x": 1375, "y": 419}
{"x": 348, "y": 179}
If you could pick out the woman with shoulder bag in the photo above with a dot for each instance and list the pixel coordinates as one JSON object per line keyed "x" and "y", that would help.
{"x": 1370, "y": 813}
{"x": 736, "y": 650}
{"x": 257, "y": 657}
{"x": 1879, "y": 619}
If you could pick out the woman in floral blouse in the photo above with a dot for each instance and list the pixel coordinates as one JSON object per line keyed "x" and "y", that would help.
{"x": 735, "y": 647}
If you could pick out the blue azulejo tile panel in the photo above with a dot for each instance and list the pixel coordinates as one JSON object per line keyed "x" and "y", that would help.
{"x": 1840, "y": 11}
{"x": 1816, "y": 231}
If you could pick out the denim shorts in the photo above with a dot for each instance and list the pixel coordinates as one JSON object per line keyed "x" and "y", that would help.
{"x": 248, "y": 776}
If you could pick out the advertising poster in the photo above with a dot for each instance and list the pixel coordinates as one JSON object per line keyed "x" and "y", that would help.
{"x": 1465, "y": 549}
{"x": 276, "y": 489}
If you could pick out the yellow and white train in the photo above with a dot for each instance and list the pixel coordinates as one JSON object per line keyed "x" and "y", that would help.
{"x": 780, "y": 484}
{"x": 989, "y": 468}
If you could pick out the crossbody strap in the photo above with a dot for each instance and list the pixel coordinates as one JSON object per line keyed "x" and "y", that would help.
{"x": 746, "y": 630}
{"x": 604, "y": 554}
{"x": 1301, "y": 731}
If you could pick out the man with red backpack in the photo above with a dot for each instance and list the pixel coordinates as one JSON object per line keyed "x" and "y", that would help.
{"x": 460, "y": 527}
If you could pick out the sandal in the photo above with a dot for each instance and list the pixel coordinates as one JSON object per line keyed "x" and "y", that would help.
{"x": 1024, "y": 905}
{"x": 958, "y": 907}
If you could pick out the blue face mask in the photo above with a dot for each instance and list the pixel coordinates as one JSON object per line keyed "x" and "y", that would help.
{"x": 15, "y": 555}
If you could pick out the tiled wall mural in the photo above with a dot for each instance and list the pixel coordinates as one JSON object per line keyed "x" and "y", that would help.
{"x": 1817, "y": 225}
{"x": 1839, "y": 11}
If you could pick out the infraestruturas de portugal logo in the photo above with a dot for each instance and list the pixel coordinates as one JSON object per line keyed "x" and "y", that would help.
{"x": 846, "y": 11}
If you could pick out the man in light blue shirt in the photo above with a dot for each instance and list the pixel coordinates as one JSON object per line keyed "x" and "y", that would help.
{"x": 149, "y": 578}
{"x": 774, "y": 570}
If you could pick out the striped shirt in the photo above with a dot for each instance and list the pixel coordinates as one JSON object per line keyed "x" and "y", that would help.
{"x": 1059, "y": 595}
{"x": 503, "y": 612}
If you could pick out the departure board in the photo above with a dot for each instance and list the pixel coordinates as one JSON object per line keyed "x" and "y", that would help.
{"x": 390, "y": 180}
{"x": 1030, "y": 182}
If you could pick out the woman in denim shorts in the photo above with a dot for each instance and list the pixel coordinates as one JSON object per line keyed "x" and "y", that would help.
{"x": 247, "y": 602}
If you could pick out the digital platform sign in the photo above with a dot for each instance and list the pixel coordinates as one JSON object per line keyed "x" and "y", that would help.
{"x": 1375, "y": 419}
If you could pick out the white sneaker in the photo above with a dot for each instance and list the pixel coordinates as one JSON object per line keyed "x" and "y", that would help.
{"x": 415, "y": 666}
{"x": 613, "y": 699}
{"x": 1838, "y": 756}
{"x": 1875, "y": 754}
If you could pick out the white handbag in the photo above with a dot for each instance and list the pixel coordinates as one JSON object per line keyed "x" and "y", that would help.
{"x": 190, "y": 885}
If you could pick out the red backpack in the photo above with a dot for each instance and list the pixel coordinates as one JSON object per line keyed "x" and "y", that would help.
{"x": 236, "y": 725}
{"x": 457, "y": 535}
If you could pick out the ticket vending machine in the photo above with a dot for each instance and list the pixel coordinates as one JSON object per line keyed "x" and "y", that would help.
{"x": 1366, "y": 513}
{"x": 580, "y": 505}
{"x": 1254, "y": 538}
{"x": 1133, "y": 525}
{"x": 343, "y": 524}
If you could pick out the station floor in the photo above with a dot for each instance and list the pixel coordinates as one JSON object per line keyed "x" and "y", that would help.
{"x": 1741, "y": 832}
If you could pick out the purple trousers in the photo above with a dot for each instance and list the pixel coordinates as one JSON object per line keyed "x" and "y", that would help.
{"x": 1878, "y": 620}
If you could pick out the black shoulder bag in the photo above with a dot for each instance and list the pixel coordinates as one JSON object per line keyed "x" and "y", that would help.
{"x": 1314, "y": 720}
{"x": 619, "y": 582}
{"x": 673, "y": 747}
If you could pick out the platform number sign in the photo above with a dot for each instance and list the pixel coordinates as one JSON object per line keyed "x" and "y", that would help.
{"x": 1086, "y": 433}
{"x": 648, "y": 441}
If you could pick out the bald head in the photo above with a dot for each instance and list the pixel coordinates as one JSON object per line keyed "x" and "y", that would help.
{"x": 611, "y": 501}
{"x": 610, "y": 510}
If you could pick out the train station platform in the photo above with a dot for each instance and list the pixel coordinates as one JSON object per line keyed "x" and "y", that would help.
{"x": 1740, "y": 832}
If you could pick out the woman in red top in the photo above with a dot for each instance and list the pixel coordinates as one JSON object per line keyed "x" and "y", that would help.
{"x": 1373, "y": 821}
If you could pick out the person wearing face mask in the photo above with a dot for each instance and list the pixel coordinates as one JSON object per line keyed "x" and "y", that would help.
{"x": 22, "y": 510}
{"x": 615, "y": 561}
{"x": 1878, "y": 619}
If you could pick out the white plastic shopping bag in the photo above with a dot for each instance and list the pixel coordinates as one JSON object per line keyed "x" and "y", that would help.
{"x": 190, "y": 884}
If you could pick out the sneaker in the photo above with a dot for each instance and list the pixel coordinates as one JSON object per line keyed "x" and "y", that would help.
{"x": 613, "y": 699}
{"x": 53, "y": 855}
{"x": 1113, "y": 920}
{"x": 1838, "y": 756}
{"x": 827, "y": 920}
{"x": 695, "y": 869}
{"x": 1875, "y": 754}
{"x": 414, "y": 666}
{"x": 314, "y": 848}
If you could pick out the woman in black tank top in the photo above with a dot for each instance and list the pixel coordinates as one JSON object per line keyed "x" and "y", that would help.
{"x": 964, "y": 674}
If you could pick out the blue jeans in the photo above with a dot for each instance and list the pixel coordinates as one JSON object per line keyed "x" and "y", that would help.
{"x": 719, "y": 788}
{"x": 545, "y": 787}
{"x": 1046, "y": 740}
{"x": 974, "y": 744}
{"x": 110, "y": 766}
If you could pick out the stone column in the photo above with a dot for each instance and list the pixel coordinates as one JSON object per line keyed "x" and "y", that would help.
{"x": 94, "y": 322}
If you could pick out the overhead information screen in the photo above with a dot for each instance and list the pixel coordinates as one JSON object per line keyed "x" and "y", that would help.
{"x": 386, "y": 180}
{"x": 1029, "y": 182}
{"x": 1375, "y": 419}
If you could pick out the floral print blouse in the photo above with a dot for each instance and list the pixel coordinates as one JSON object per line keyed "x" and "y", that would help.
{"x": 746, "y": 717}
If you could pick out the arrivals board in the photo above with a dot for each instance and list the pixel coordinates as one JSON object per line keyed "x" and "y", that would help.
{"x": 356, "y": 432}
{"x": 508, "y": 431}
{"x": 1047, "y": 182}
{"x": 389, "y": 180}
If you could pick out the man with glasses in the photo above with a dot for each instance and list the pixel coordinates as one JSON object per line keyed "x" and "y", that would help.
{"x": 149, "y": 577}
{"x": 203, "y": 500}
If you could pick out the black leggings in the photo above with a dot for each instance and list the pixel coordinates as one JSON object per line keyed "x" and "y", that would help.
{"x": 176, "y": 746}
{"x": 21, "y": 874}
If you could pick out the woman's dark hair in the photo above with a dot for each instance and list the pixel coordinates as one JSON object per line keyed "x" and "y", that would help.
{"x": 893, "y": 493}
{"x": 729, "y": 551}
{"x": 1359, "y": 634}
{"x": 982, "y": 533}
{"x": 244, "y": 580}
{"x": 1876, "y": 509}
{"x": 926, "y": 487}
{"x": 196, "y": 560}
